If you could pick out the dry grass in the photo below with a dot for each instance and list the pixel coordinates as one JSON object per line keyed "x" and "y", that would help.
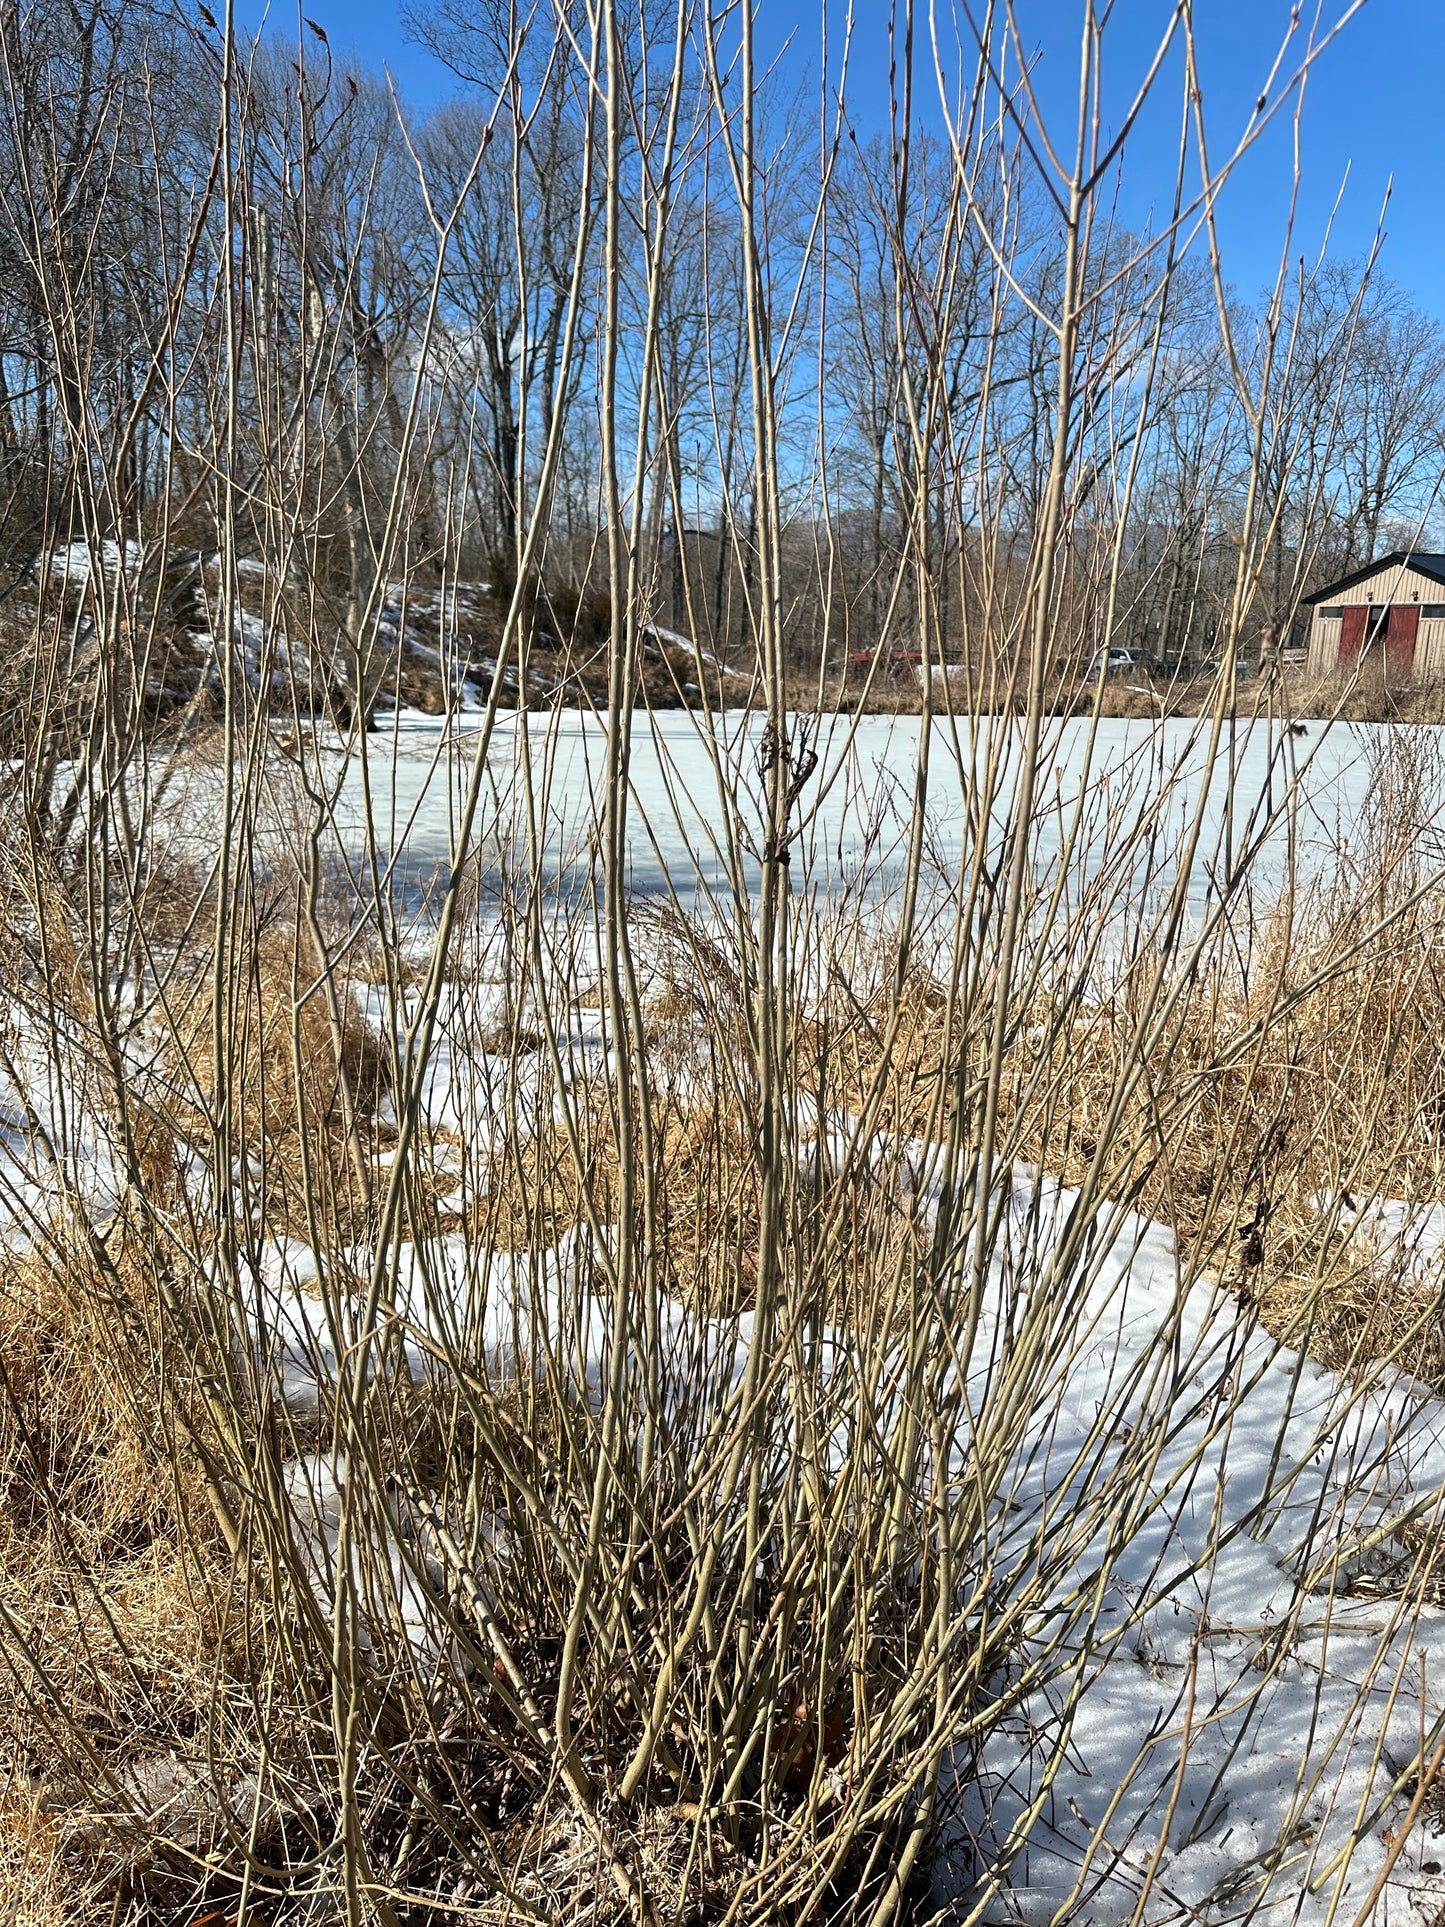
{"x": 1261, "y": 1106}
{"x": 126, "y": 1637}
{"x": 40, "y": 1886}
{"x": 296, "y": 1081}
{"x": 1368, "y": 697}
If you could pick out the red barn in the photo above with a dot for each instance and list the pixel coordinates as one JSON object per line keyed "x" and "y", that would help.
{"x": 1392, "y": 611}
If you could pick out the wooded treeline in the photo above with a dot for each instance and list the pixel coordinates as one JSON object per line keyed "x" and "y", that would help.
{"x": 253, "y": 311}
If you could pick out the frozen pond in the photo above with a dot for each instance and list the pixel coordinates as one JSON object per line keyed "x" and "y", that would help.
{"x": 692, "y": 776}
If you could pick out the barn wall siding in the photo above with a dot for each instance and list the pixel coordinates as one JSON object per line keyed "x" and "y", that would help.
{"x": 1430, "y": 649}
{"x": 1324, "y": 644}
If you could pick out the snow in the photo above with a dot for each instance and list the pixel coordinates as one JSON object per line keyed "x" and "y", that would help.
{"x": 1223, "y": 1660}
{"x": 674, "y": 639}
{"x": 73, "y": 565}
{"x": 46, "y": 1097}
{"x": 1407, "y": 1240}
{"x": 521, "y": 1307}
{"x": 265, "y": 653}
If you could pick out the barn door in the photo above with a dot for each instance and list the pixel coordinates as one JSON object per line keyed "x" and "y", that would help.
{"x": 1352, "y": 633}
{"x": 1400, "y": 637}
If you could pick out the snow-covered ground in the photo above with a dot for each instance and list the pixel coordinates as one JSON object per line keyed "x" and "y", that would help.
{"x": 1238, "y": 1675}
{"x": 73, "y": 566}
{"x": 1257, "y": 1682}
{"x": 1240, "y": 1680}
{"x": 1244, "y": 1679}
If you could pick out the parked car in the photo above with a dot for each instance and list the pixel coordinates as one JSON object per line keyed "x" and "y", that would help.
{"x": 1113, "y": 662}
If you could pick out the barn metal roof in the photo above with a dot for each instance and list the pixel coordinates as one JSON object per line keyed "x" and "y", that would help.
{"x": 1427, "y": 562}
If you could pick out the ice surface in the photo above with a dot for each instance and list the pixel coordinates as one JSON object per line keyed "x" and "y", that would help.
{"x": 851, "y": 817}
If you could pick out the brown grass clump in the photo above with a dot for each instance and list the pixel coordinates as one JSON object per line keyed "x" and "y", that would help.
{"x": 1370, "y": 696}
{"x": 71, "y": 1448}
{"x": 688, "y": 1870}
{"x": 534, "y": 1191}
{"x": 302, "y": 1087}
{"x": 39, "y": 1887}
{"x": 118, "y": 1592}
{"x": 1321, "y": 1079}
{"x": 1358, "y": 1312}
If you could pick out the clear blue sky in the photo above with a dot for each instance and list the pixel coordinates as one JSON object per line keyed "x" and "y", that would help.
{"x": 1374, "y": 114}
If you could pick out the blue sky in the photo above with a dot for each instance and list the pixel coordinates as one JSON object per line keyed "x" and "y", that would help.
{"x": 1374, "y": 115}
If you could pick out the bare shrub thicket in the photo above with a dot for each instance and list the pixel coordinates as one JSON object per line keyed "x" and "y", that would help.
{"x": 522, "y": 1400}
